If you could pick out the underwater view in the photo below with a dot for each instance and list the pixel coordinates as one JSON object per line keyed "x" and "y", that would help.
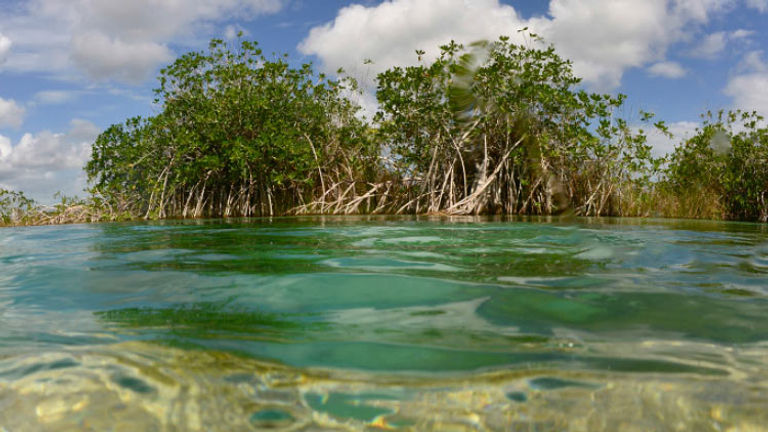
{"x": 385, "y": 323}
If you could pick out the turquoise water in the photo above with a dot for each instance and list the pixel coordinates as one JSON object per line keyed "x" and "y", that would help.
{"x": 385, "y": 323}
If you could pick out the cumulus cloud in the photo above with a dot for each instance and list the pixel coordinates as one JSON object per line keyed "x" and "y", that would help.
{"x": 113, "y": 39}
{"x": 159, "y": 20}
{"x": 11, "y": 114}
{"x": 5, "y": 147}
{"x": 5, "y": 48}
{"x": 53, "y": 97}
{"x": 714, "y": 44}
{"x": 101, "y": 57}
{"x": 753, "y": 61}
{"x": 662, "y": 145}
{"x": 45, "y": 163}
{"x": 749, "y": 86}
{"x": 603, "y": 37}
{"x": 698, "y": 10}
{"x": 711, "y": 46}
{"x": 52, "y": 151}
{"x": 667, "y": 69}
{"x": 390, "y": 32}
{"x": 760, "y": 5}
{"x": 741, "y": 34}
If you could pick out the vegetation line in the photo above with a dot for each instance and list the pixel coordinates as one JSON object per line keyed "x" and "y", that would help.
{"x": 489, "y": 128}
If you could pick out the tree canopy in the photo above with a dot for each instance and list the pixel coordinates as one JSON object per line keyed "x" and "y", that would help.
{"x": 488, "y": 128}
{"x": 238, "y": 134}
{"x": 504, "y": 128}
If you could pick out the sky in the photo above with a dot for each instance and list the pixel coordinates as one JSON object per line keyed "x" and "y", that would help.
{"x": 71, "y": 68}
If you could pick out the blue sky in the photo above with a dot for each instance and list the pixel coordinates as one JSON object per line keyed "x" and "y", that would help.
{"x": 70, "y": 68}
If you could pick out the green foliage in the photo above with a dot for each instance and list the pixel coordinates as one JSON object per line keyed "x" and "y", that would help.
{"x": 15, "y": 207}
{"x": 722, "y": 171}
{"x": 502, "y": 128}
{"x": 493, "y": 127}
{"x": 238, "y": 134}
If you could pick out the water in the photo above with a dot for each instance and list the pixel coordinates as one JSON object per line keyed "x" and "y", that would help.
{"x": 385, "y": 324}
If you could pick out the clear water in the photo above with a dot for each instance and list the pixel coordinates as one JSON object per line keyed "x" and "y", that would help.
{"x": 385, "y": 323}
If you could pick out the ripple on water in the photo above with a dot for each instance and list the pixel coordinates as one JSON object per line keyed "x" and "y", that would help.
{"x": 387, "y": 264}
{"x": 141, "y": 386}
{"x": 413, "y": 240}
{"x": 382, "y": 323}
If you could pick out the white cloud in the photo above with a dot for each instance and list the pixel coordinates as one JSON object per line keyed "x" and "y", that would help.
{"x": 714, "y": 44}
{"x": 113, "y": 39}
{"x": 11, "y": 114}
{"x": 5, "y": 147}
{"x": 230, "y": 32}
{"x": 101, "y": 57}
{"x": 5, "y": 48}
{"x": 662, "y": 144}
{"x": 44, "y": 163}
{"x": 741, "y": 34}
{"x": 711, "y": 46}
{"x": 753, "y": 61}
{"x": 760, "y": 5}
{"x": 748, "y": 87}
{"x": 53, "y": 97}
{"x": 603, "y": 37}
{"x": 83, "y": 131}
{"x": 52, "y": 151}
{"x": 390, "y": 32}
{"x": 749, "y": 92}
{"x": 699, "y": 10}
{"x": 667, "y": 69}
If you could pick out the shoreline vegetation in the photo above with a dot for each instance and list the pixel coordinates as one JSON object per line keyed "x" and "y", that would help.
{"x": 491, "y": 128}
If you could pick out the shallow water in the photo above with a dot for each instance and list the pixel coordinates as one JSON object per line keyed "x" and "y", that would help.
{"x": 385, "y": 323}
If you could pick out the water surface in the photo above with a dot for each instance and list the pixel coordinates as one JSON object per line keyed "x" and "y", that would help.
{"x": 385, "y": 323}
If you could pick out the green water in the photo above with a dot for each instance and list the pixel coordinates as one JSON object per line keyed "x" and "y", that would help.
{"x": 385, "y": 323}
